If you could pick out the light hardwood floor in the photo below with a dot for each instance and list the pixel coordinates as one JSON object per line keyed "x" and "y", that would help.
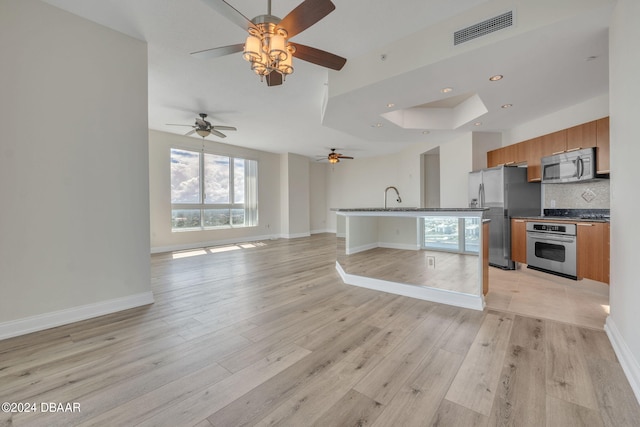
{"x": 267, "y": 334}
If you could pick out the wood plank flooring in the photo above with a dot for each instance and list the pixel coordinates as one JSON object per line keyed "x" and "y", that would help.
{"x": 452, "y": 271}
{"x": 267, "y": 334}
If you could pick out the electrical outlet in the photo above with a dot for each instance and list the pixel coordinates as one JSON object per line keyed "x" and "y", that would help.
{"x": 431, "y": 262}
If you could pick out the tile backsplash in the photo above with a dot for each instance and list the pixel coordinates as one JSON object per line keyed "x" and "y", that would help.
{"x": 587, "y": 195}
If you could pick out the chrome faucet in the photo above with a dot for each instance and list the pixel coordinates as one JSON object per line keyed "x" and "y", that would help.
{"x": 399, "y": 200}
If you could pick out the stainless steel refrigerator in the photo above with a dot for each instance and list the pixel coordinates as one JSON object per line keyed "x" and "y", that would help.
{"x": 506, "y": 192}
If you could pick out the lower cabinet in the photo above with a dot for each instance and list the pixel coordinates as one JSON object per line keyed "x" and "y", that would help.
{"x": 519, "y": 240}
{"x": 593, "y": 251}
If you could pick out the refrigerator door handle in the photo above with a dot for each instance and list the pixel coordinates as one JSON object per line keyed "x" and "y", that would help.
{"x": 481, "y": 195}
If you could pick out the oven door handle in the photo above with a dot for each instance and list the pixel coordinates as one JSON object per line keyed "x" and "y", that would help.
{"x": 550, "y": 237}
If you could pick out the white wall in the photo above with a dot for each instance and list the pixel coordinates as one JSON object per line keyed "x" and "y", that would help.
{"x": 318, "y": 209}
{"x": 361, "y": 182}
{"x": 163, "y": 239}
{"x": 295, "y": 202}
{"x": 483, "y": 142}
{"x": 592, "y": 109}
{"x": 624, "y": 296}
{"x": 431, "y": 179}
{"x": 74, "y": 228}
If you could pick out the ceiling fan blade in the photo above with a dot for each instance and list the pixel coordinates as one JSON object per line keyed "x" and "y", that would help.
{"x": 223, "y": 127}
{"x": 305, "y": 15}
{"x": 201, "y": 122}
{"x": 274, "y": 78}
{"x": 191, "y": 132}
{"x": 175, "y": 124}
{"x": 217, "y": 52}
{"x": 231, "y": 13}
{"x": 216, "y": 133}
{"x": 345, "y": 157}
{"x": 319, "y": 57}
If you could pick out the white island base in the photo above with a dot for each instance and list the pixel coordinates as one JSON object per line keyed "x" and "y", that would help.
{"x": 384, "y": 250}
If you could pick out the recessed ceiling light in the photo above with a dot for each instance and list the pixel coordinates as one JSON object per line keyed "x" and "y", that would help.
{"x": 507, "y": 105}
{"x": 391, "y": 104}
{"x": 496, "y": 77}
{"x": 425, "y": 132}
{"x": 446, "y": 89}
{"x": 477, "y": 123}
{"x": 377, "y": 125}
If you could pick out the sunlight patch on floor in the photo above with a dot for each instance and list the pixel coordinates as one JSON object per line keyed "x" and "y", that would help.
{"x": 215, "y": 249}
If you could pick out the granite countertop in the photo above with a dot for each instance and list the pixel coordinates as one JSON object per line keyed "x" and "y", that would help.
{"x": 562, "y": 218}
{"x": 398, "y": 209}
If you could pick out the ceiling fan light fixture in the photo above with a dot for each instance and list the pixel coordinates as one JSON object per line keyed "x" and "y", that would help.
{"x": 277, "y": 48}
{"x": 267, "y": 49}
{"x": 252, "y": 48}
{"x": 333, "y": 160}
{"x": 286, "y": 66}
{"x": 203, "y": 132}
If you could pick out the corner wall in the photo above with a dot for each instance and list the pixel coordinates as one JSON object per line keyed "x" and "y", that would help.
{"x": 295, "y": 195}
{"x": 74, "y": 174}
{"x": 624, "y": 296}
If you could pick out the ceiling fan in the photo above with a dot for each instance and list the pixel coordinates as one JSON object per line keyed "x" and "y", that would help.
{"x": 204, "y": 128}
{"x": 334, "y": 157}
{"x": 267, "y": 47}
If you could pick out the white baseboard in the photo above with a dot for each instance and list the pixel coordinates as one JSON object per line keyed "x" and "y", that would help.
{"x": 629, "y": 363}
{"x": 475, "y": 302}
{"x": 44, "y": 321}
{"x": 403, "y": 246}
{"x": 197, "y": 245}
{"x": 362, "y": 248}
{"x": 322, "y": 231}
{"x": 295, "y": 235}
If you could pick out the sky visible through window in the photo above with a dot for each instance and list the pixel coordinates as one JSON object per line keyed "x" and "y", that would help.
{"x": 185, "y": 181}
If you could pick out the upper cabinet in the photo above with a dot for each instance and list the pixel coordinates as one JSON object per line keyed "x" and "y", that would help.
{"x": 554, "y": 143}
{"x": 602, "y": 145}
{"x": 581, "y": 136}
{"x": 533, "y": 149}
{"x": 587, "y": 135}
{"x": 495, "y": 157}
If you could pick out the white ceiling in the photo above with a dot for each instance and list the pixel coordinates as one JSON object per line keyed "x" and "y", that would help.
{"x": 545, "y": 68}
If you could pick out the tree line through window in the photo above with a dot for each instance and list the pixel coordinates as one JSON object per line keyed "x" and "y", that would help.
{"x": 212, "y": 191}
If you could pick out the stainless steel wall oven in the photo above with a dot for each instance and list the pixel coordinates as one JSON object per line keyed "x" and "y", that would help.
{"x": 551, "y": 247}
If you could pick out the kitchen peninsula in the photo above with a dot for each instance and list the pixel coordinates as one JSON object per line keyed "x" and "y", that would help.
{"x": 435, "y": 254}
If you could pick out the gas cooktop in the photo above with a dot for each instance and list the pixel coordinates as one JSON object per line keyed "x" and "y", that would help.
{"x": 601, "y": 214}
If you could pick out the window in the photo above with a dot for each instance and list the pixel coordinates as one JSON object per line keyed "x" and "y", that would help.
{"x": 212, "y": 191}
{"x": 442, "y": 233}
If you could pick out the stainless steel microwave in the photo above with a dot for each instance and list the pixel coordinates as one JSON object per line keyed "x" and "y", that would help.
{"x": 572, "y": 166}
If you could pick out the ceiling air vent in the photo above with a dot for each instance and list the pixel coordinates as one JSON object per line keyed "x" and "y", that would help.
{"x": 483, "y": 28}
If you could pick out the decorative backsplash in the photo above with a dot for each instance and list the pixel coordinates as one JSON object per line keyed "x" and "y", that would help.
{"x": 587, "y": 195}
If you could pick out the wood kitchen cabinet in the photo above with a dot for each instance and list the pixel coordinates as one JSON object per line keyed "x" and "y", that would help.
{"x": 495, "y": 157}
{"x": 587, "y": 135}
{"x": 602, "y": 145}
{"x": 519, "y": 240}
{"x": 510, "y": 155}
{"x": 592, "y": 251}
{"x": 532, "y": 149}
{"x": 582, "y": 136}
{"x": 554, "y": 143}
